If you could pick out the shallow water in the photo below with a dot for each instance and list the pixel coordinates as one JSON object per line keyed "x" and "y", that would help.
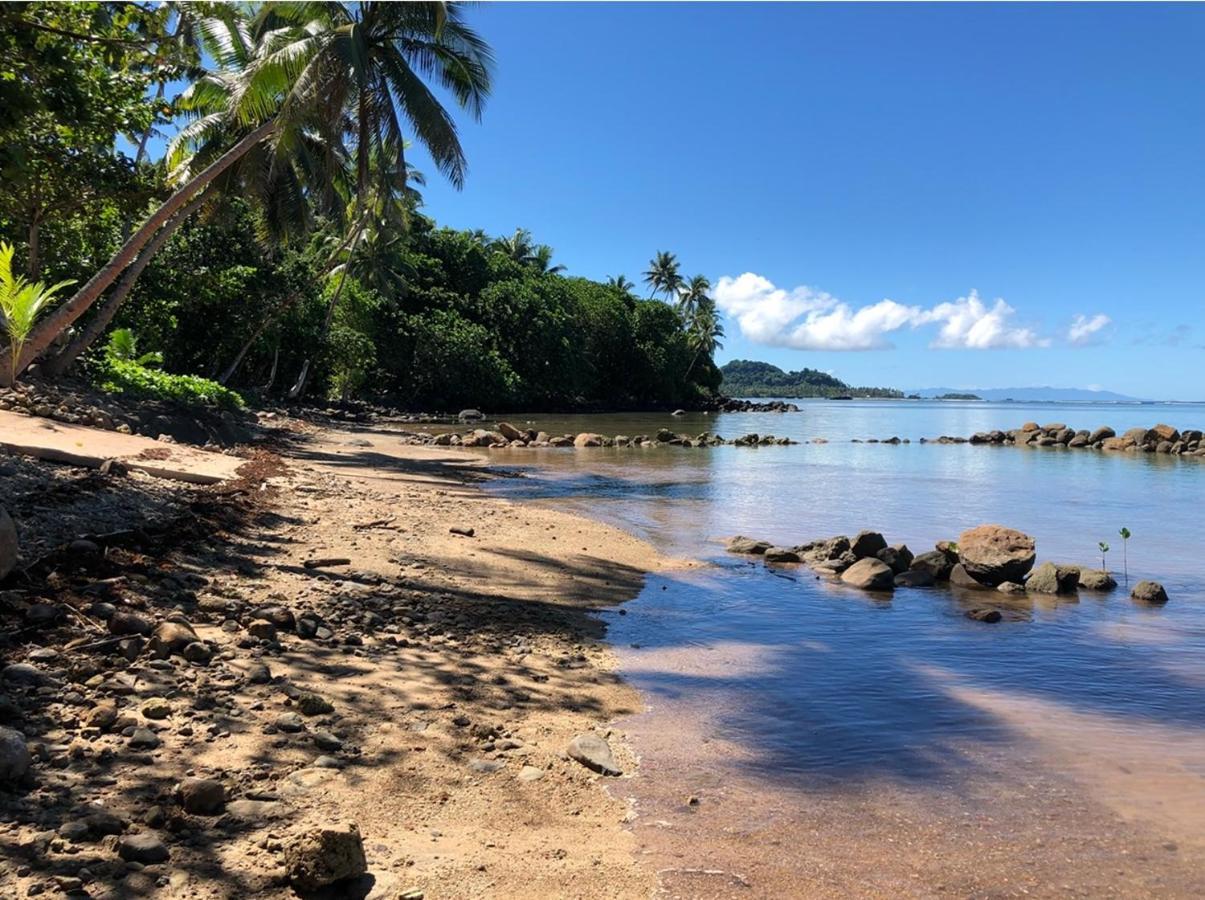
{"x": 805, "y": 715}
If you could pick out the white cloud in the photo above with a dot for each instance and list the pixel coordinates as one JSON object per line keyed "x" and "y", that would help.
{"x": 807, "y": 319}
{"x": 1084, "y": 330}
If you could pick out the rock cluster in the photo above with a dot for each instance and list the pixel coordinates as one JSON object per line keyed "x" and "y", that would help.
{"x": 731, "y": 405}
{"x": 507, "y": 435}
{"x": 985, "y": 558}
{"x": 1159, "y": 439}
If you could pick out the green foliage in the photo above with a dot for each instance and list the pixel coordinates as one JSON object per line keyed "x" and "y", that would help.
{"x": 1104, "y": 548}
{"x": 21, "y": 302}
{"x": 123, "y": 376}
{"x": 123, "y": 345}
{"x": 747, "y": 378}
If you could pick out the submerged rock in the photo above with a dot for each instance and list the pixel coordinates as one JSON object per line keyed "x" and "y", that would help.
{"x": 960, "y": 577}
{"x": 741, "y": 544}
{"x": 1151, "y": 592}
{"x": 992, "y": 554}
{"x": 781, "y": 555}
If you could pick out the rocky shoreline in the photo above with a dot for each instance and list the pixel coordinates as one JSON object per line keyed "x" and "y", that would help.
{"x": 1159, "y": 439}
{"x": 507, "y": 435}
{"x": 985, "y": 558}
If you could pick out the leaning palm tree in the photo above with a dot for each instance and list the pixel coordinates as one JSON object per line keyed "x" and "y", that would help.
{"x": 663, "y": 275}
{"x": 353, "y": 71}
{"x": 693, "y": 295}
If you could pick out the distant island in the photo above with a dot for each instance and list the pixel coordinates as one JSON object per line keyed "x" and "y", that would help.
{"x": 748, "y": 378}
{"x": 1025, "y": 395}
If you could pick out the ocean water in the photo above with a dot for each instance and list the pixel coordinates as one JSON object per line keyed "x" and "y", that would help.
{"x": 800, "y": 713}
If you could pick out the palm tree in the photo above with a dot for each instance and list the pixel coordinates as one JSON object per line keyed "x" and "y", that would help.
{"x": 694, "y": 295}
{"x": 704, "y": 331}
{"x": 663, "y": 275}
{"x": 541, "y": 260}
{"x": 350, "y": 71}
{"x": 620, "y": 283}
{"x": 519, "y": 246}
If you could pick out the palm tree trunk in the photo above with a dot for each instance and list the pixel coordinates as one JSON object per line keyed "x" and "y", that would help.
{"x": 296, "y": 391}
{"x": 108, "y": 309}
{"x": 255, "y": 335}
{"x": 35, "y": 247}
{"x": 58, "y": 321}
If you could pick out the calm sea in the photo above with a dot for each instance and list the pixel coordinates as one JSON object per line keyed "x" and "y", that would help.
{"x": 802, "y": 714}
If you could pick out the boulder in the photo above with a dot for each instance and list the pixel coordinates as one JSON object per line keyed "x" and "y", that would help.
{"x": 128, "y": 621}
{"x": 1151, "y": 592}
{"x": 867, "y": 543}
{"x": 14, "y": 755}
{"x": 742, "y": 544}
{"x": 1049, "y": 578}
{"x": 1030, "y": 426}
{"x": 1101, "y": 434}
{"x": 1096, "y": 580}
{"x": 510, "y": 432}
{"x": 990, "y": 616}
{"x": 1165, "y": 433}
{"x": 992, "y": 554}
{"x": 467, "y": 415}
{"x": 869, "y": 574}
{"x": 781, "y": 555}
{"x": 914, "y": 578}
{"x": 1139, "y": 436}
{"x": 935, "y": 564}
{"x": 594, "y": 753}
{"x": 9, "y": 549}
{"x": 588, "y": 439}
{"x": 1010, "y": 587}
{"x": 482, "y": 438}
{"x": 960, "y": 577}
{"x": 319, "y": 857}
{"x": 145, "y": 847}
{"x": 898, "y": 557}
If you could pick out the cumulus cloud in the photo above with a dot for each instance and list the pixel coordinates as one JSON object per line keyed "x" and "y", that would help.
{"x": 807, "y": 319}
{"x": 1086, "y": 330}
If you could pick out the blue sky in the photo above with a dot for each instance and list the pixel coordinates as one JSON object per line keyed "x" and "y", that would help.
{"x": 982, "y": 195}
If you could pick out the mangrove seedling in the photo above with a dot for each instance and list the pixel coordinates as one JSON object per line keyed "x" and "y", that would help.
{"x": 1104, "y": 548}
{"x": 1125, "y": 563}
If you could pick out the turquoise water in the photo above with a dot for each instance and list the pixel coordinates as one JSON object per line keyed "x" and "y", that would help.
{"x": 817, "y": 687}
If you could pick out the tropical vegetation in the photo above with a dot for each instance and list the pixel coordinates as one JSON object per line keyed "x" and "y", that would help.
{"x": 747, "y": 378}
{"x": 231, "y": 184}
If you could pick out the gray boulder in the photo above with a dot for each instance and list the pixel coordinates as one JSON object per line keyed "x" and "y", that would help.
{"x": 992, "y": 554}
{"x": 742, "y": 544}
{"x": 914, "y": 578}
{"x": 594, "y": 753}
{"x": 1049, "y": 578}
{"x": 897, "y": 557}
{"x": 867, "y": 543}
{"x": 935, "y": 564}
{"x": 781, "y": 555}
{"x": 960, "y": 577}
{"x": 14, "y": 755}
{"x": 1096, "y": 580}
{"x": 869, "y": 574}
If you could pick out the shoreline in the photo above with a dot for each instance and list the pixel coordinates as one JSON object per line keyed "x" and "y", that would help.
{"x": 483, "y": 650}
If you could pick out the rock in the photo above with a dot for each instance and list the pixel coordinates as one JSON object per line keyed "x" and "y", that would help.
{"x": 1096, "y": 580}
{"x": 14, "y": 755}
{"x": 171, "y": 638}
{"x": 1010, "y": 587}
{"x": 254, "y": 810}
{"x": 781, "y": 555}
{"x": 984, "y": 615}
{"x": 290, "y": 722}
{"x": 992, "y": 554}
{"x": 740, "y": 544}
{"x": 24, "y": 673}
{"x": 462, "y": 531}
{"x": 144, "y": 739}
{"x": 102, "y": 716}
{"x": 280, "y": 616}
{"x": 320, "y": 857}
{"x": 935, "y": 564}
{"x": 198, "y": 652}
{"x": 9, "y": 547}
{"x": 312, "y": 704}
{"x": 201, "y": 796}
{"x": 867, "y": 544}
{"x": 1138, "y": 436}
{"x": 510, "y": 432}
{"x": 960, "y": 577}
{"x": 145, "y": 847}
{"x": 1101, "y": 434}
{"x": 259, "y": 673}
{"x": 870, "y": 575}
{"x": 262, "y": 629}
{"x": 324, "y": 740}
{"x": 127, "y": 621}
{"x": 1049, "y": 578}
{"x": 156, "y": 708}
{"x": 914, "y": 578}
{"x": 530, "y": 773}
{"x": 1165, "y": 433}
{"x": 487, "y": 766}
{"x": 1151, "y": 592}
{"x": 594, "y": 753}
{"x": 588, "y": 439}
{"x": 897, "y": 557}
{"x": 467, "y": 415}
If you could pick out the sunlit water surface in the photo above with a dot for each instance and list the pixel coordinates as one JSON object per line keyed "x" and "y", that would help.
{"x": 772, "y": 689}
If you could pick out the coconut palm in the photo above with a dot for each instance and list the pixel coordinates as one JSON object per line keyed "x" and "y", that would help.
{"x": 620, "y": 283}
{"x": 663, "y": 275}
{"x": 704, "y": 331}
{"x": 21, "y": 302}
{"x": 541, "y": 260}
{"x": 354, "y": 72}
{"x": 519, "y": 246}
{"x": 693, "y": 295}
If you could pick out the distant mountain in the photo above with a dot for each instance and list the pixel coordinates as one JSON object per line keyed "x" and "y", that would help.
{"x": 748, "y": 378}
{"x": 1032, "y": 394}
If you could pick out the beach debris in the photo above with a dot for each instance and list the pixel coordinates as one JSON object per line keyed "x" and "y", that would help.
{"x": 594, "y": 753}
{"x": 326, "y": 562}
